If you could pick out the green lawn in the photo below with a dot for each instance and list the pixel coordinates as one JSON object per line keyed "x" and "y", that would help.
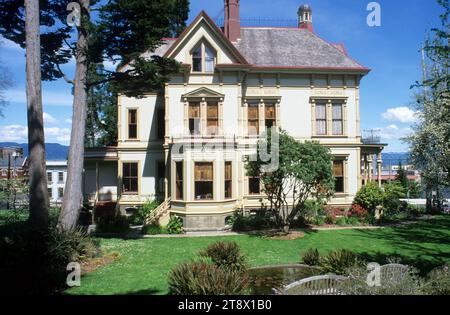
{"x": 145, "y": 263}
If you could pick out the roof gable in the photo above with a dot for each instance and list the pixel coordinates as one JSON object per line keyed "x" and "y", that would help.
{"x": 203, "y": 92}
{"x": 204, "y": 29}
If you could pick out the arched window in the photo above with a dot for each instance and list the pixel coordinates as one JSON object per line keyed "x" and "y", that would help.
{"x": 203, "y": 58}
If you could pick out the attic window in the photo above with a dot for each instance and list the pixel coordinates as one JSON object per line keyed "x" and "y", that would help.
{"x": 203, "y": 58}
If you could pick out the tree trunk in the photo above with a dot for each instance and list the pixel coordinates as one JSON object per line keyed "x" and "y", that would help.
{"x": 73, "y": 197}
{"x": 39, "y": 203}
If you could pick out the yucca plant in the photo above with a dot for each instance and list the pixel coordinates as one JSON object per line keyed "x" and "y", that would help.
{"x": 338, "y": 261}
{"x": 311, "y": 257}
{"x": 203, "y": 278}
{"x": 225, "y": 255}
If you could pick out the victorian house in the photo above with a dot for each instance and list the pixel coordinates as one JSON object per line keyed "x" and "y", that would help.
{"x": 188, "y": 144}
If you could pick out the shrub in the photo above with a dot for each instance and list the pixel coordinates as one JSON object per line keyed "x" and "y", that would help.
{"x": 342, "y": 221}
{"x": 201, "y": 278}
{"x": 175, "y": 225}
{"x": 154, "y": 229}
{"x": 369, "y": 196}
{"x": 358, "y": 211}
{"x": 37, "y": 259}
{"x": 320, "y": 220}
{"x": 225, "y": 255}
{"x": 353, "y": 221}
{"x": 415, "y": 211}
{"x": 258, "y": 221}
{"x": 144, "y": 211}
{"x": 338, "y": 261}
{"x": 391, "y": 197}
{"x": 310, "y": 211}
{"x": 112, "y": 224}
{"x": 437, "y": 282}
{"x": 329, "y": 219}
{"x": 311, "y": 257}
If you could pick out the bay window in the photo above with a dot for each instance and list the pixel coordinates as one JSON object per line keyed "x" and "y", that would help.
{"x": 228, "y": 180}
{"x": 204, "y": 181}
{"x": 179, "y": 180}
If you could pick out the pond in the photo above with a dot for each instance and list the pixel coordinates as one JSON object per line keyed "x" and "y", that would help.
{"x": 263, "y": 279}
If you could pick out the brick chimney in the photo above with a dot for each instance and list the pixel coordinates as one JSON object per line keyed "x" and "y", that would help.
{"x": 305, "y": 17}
{"x": 232, "y": 22}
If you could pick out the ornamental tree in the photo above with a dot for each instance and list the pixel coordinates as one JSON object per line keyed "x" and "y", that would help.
{"x": 304, "y": 171}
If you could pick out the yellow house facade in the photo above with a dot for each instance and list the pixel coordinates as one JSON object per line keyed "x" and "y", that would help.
{"x": 188, "y": 144}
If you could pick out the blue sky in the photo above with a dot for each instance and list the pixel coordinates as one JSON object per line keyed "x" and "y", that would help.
{"x": 391, "y": 51}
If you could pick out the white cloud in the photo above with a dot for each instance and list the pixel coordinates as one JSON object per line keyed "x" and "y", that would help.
{"x": 8, "y": 44}
{"x": 61, "y": 134}
{"x": 14, "y": 133}
{"x": 400, "y": 114}
{"x": 49, "y": 119}
{"x": 393, "y": 132}
{"x": 19, "y": 133}
{"x": 49, "y": 98}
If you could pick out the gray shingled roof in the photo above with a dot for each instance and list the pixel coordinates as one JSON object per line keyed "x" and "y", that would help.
{"x": 281, "y": 47}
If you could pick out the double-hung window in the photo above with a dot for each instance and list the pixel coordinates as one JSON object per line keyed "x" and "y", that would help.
{"x": 253, "y": 119}
{"x": 270, "y": 115}
{"x": 321, "y": 119}
{"x": 132, "y": 124}
{"x": 212, "y": 118}
{"x": 337, "y": 119}
{"x": 254, "y": 185}
{"x": 130, "y": 177}
{"x": 194, "y": 118}
{"x": 228, "y": 180}
{"x": 179, "y": 180}
{"x": 338, "y": 172}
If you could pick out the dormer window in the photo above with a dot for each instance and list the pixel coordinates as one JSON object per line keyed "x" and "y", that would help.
{"x": 197, "y": 59}
{"x": 203, "y": 58}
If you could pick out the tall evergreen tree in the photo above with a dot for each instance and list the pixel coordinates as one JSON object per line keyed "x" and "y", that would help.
{"x": 122, "y": 31}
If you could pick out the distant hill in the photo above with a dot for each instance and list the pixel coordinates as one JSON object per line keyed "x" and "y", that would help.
{"x": 53, "y": 151}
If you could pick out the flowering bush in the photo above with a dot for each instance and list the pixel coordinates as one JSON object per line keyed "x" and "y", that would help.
{"x": 358, "y": 211}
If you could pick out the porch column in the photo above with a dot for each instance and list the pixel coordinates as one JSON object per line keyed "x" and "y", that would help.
{"x": 366, "y": 172}
{"x": 97, "y": 185}
{"x": 370, "y": 168}
{"x": 167, "y": 166}
{"x": 379, "y": 164}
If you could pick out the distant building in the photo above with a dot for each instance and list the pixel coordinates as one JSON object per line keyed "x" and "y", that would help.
{"x": 56, "y": 180}
{"x": 13, "y": 162}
